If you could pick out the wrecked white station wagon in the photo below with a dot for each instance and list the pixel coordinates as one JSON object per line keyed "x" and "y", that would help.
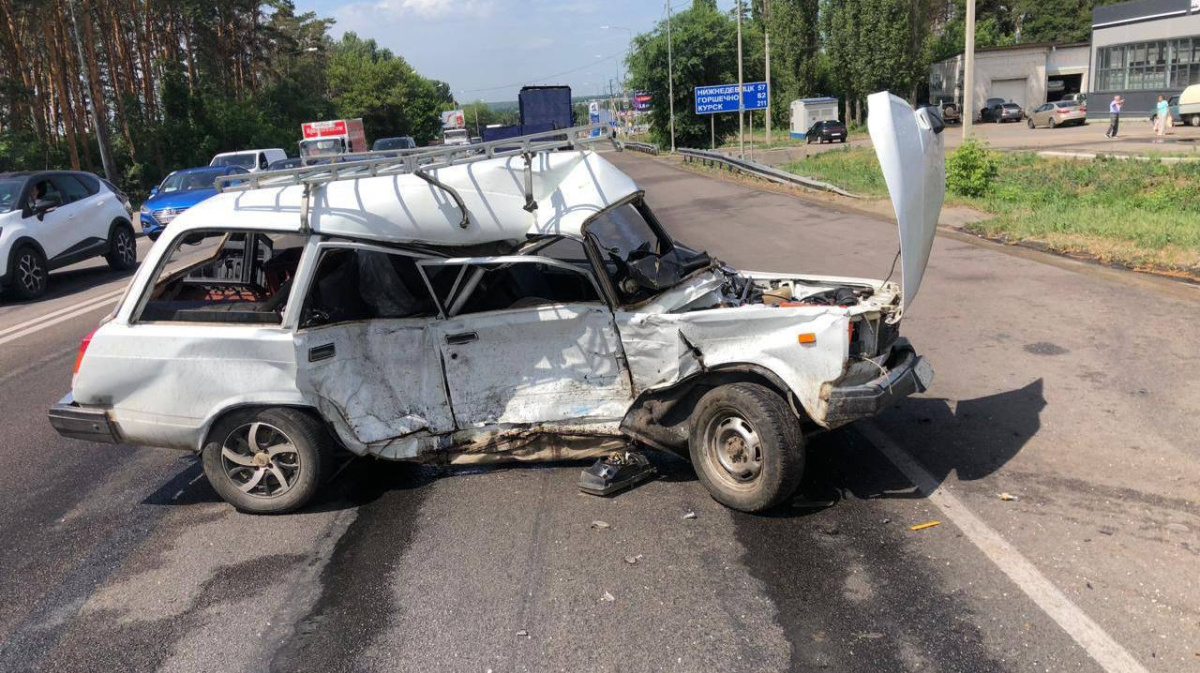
{"x": 503, "y": 301}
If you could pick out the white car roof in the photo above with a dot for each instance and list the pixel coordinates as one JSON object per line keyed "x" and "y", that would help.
{"x": 569, "y": 187}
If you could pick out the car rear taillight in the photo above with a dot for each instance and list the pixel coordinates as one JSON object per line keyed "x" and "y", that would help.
{"x": 1083, "y": 108}
{"x": 83, "y": 346}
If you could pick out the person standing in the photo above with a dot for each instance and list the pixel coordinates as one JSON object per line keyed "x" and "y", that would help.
{"x": 1162, "y": 114}
{"x": 1114, "y": 115}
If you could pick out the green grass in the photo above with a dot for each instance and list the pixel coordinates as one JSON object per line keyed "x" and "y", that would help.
{"x": 1142, "y": 214}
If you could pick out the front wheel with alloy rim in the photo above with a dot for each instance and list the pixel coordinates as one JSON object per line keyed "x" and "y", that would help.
{"x": 267, "y": 461}
{"x": 28, "y": 275}
{"x": 122, "y": 249}
{"x": 746, "y": 446}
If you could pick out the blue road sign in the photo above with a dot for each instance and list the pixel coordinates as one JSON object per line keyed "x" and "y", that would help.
{"x": 723, "y": 98}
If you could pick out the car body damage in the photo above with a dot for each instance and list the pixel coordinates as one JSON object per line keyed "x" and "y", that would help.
{"x": 520, "y": 308}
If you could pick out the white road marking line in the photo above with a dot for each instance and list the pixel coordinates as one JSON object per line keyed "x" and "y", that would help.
{"x": 67, "y": 309}
{"x": 1093, "y": 639}
{"x": 39, "y": 326}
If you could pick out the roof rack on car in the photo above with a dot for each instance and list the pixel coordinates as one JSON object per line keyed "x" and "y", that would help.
{"x": 417, "y": 161}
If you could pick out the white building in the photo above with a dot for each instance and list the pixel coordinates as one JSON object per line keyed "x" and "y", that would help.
{"x": 1025, "y": 74}
{"x": 808, "y": 111}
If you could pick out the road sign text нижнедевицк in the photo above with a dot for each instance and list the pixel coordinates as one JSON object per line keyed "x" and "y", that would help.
{"x": 723, "y": 97}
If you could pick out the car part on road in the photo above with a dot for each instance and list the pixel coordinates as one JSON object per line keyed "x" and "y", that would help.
{"x": 746, "y": 446}
{"x": 267, "y": 461}
{"x": 616, "y": 473}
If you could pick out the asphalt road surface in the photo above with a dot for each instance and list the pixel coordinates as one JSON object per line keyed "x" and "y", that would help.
{"x": 1071, "y": 388}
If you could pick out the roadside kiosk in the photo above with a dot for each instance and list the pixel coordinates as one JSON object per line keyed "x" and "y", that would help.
{"x": 808, "y": 111}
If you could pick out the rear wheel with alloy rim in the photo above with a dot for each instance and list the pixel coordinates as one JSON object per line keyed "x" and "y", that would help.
{"x": 122, "y": 249}
{"x": 746, "y": 446}
{"x": 1030, "y": 123}
{"x": 29, "y": 274}
{"x": 1053, "y": 123}
{"x": 267, "y": 461}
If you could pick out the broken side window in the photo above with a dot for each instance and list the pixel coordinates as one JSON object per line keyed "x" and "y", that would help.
{"x": 482, "y": 286}
{"x": 354, "y": 284}
{"x": 246, "y": 280}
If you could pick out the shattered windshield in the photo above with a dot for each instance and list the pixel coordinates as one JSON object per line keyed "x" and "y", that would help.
{"x": 641, "y": 260}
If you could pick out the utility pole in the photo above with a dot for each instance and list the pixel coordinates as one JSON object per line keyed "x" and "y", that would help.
{"x": 767, "y": 45}
{"x": 670, "y": 77}
{"x": 740, "y": 93}
{"x": 110, "y": 171}
{"x": 968, "y": 96}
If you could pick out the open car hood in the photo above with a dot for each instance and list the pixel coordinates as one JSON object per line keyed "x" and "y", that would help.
{"x": 909, "y": 146}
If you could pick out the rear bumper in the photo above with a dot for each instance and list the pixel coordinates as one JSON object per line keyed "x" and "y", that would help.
{"x": 76, "y": 422}
{"x": 907, "y": 373}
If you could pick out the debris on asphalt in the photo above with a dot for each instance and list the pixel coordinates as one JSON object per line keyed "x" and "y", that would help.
{"x": 1008, "y": 497}
{"x": 887, "y": 521}
{"x": 600, "y": 525}
{"x": 523, "y": 634}
{"x": 632, "y": 560}
{"x": 927, "y": 524}
{"x": 1178, "y": 528}
{"x": 607, "y": 598}
{"x": 689, "y": 514}
{"x": 615, "y": 473}
{"x": 830, "y": 530}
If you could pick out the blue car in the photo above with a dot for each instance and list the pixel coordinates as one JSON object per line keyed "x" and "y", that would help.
{"x": 178, "y": 192}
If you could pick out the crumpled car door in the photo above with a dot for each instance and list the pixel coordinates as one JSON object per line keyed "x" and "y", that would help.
{"x": 909, "y": 146}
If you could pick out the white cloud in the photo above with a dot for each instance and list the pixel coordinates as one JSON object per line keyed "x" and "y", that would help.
{"x": 438, "y": 9}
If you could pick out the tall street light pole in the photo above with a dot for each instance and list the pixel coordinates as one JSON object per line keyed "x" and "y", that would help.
{"x": 110, "y": 170}
{"x": 767, "y": 47}
{"x": 968, "y": 97}
{"x": 670, "y": 76}
{"x": 741, "y": 93}
{"x": 620, "y": 80}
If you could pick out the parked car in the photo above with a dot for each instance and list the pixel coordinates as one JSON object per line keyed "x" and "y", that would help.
{"x": 1188, "y": 106}
{"x": 1058, "y": 113}
{"x": 398, "y": 143}
{"x": 1076, "y": 98}
{"x": 178, "y": 192}
{"x": 986, "y": 111}
{"x": 52, "y": 219}
{"x": 1003, "y": 112}
{"x": 426, "y": 316}
{"x": 251, "y": 160}
{"x": 950, "y": 112}
{"x": 830, "y": 130}
{"x": 282, "y": 164}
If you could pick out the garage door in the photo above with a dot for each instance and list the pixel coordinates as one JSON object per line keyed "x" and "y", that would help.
{"x": 1011, "y": 90}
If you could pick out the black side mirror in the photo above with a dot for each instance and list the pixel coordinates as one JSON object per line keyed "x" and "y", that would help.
{"x": 45, "y": 205}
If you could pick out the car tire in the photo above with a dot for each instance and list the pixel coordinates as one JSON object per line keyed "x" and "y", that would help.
{"x": 122, "y": 248}
{"x": 1052, "y": 123}
{"x": 746, "y": 446}
{"x": 1030, "y": 123}
{"x": 1194, "y": 120}
{"x": 268, "y": 461}
{"x": 153, "y": 237}
{"x": 28, "y": 273}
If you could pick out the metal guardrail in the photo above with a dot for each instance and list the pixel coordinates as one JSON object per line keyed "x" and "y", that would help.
{"x": 648, "y": 148}
{"x": 760, "y": 171}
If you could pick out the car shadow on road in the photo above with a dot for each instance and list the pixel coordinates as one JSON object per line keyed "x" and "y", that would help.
{"x": 971, "y": 439}
{"x": 67, "y": 282}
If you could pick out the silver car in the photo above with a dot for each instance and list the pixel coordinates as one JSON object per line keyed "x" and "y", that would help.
{"x": 519, "y": 304}
{"x": 1059, "y": 113}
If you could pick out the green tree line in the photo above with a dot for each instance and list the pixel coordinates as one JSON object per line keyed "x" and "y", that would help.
{"x": 843, "y": 48}
{"x": 178, "y": 81}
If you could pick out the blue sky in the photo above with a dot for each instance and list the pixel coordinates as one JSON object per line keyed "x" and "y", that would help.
{"x": 486, "y": 49}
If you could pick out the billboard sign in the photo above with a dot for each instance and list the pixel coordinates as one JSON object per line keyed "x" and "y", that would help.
{"x": 330, "y": 129}
{"x": 723, "y": 98}
{"x": 453, "y": 119}
{"x": 641, "y": 101}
